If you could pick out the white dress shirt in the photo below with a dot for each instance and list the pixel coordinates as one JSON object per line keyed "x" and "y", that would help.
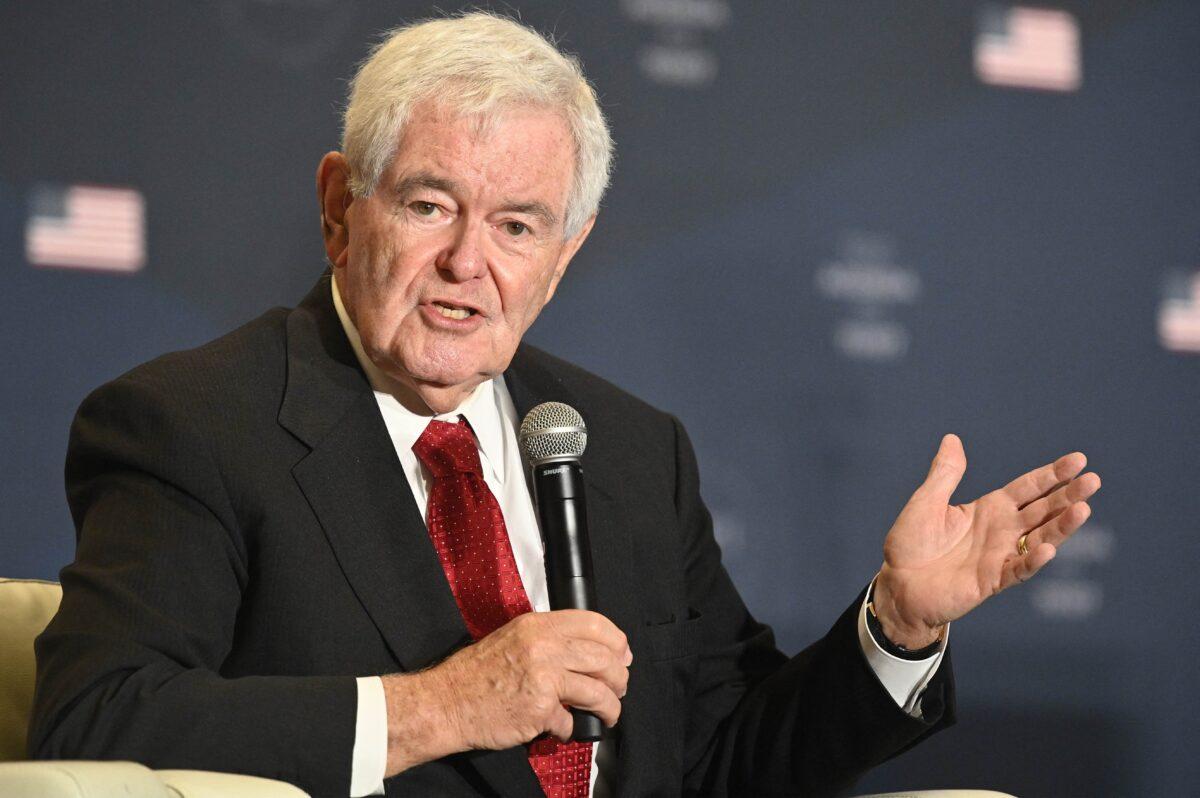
{"x": 493, "y": 417}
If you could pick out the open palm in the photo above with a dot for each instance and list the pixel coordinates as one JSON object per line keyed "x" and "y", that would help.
{"x": 942, "y": 560}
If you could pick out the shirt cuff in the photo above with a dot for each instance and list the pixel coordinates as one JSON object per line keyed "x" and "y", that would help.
{"x": 904, "y": 679}
{"x": 370, "y": 739}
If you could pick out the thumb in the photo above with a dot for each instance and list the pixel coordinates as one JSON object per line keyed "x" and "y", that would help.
{"x": 949, "y": 465}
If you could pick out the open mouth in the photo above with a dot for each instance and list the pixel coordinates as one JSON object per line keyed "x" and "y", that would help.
{"x": 453, "y": 311}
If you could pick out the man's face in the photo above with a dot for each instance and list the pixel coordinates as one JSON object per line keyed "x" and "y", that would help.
{"x": 454, "y": 254}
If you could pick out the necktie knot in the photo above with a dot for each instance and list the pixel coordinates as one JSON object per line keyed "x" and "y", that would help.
{"x": 445, "y": 448}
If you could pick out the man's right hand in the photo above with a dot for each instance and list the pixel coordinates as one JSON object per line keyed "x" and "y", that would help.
{"x": 508, "y": 688}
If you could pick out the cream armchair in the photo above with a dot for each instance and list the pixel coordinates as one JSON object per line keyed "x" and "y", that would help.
{"x": 26, "y": 606}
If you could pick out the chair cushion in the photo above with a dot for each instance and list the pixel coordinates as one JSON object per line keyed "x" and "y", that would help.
{"x": 80, "y": 780}
{"x": 26, "y": 606}
{"x": 207, "y": 784}
{"x": 941, "y": 794}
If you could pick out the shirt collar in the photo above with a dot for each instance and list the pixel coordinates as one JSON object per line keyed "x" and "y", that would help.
{"x": 481, "y": 408}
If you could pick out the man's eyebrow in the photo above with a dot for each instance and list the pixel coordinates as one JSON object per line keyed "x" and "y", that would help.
{"x": 431, "y": 181}
{"x": 537, "y": 209}
{"x": 425, "y": 180}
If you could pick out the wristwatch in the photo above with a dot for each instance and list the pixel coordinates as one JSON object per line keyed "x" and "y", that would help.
{"x": 895, "y": 649}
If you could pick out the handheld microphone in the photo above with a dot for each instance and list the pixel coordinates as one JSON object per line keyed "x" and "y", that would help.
{"x": 552, "y": 438}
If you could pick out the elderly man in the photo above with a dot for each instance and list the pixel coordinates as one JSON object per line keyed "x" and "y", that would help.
{"x": 307, "y": 550}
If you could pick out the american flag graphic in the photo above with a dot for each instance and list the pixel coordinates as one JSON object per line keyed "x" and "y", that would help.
{"x": 1031, "y": 48}
{"x": 1179, "y": 318}
{"x": 87, "y": 227}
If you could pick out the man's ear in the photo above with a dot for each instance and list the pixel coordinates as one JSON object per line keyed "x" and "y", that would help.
{"x": 571, "y": 246}
{"x": 334, "y": 197}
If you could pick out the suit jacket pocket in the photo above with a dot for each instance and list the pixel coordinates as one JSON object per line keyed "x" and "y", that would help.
{"x": 661, "y": 680}
{"x": 672, "y": 639}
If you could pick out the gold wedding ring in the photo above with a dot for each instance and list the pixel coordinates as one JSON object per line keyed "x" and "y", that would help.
{"x": 1023, "y": 544}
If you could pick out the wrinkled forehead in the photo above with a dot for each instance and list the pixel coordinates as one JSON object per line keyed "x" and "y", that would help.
{"x": 510, "y": 147}
{"x": 485, "y": 122}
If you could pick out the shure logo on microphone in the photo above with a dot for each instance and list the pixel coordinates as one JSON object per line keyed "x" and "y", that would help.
{"x": 562, "y": 469}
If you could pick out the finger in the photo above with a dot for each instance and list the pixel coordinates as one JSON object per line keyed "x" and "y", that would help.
{"x": 1039, "y": 512}
{"x": 1039, "y": 482}
{"x": 1022, "y": 569}
{"x": 561, "y": 724}
{"x": 1062, "y": 526}
{"x": 590, "y": 626}
{"x": 598, "y": 661}
{"x": 584, "y": 692}
{"x": 946, "y": 471}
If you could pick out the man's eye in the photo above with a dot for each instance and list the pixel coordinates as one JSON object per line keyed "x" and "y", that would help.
{"x": 515, "y": 229}
{"x": 423, "y": 208}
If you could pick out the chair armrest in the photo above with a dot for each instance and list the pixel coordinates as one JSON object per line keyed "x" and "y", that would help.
{"x": 940, "y": 794}
{"x": 72, "y": 779}
{"x": 78, "y": 779}
{"x": 207, "y": 784}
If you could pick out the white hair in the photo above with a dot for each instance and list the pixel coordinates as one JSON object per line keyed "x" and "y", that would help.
{"x": 476, "y": 64}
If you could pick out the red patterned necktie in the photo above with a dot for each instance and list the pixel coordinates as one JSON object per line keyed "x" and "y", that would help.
{"x": 467, "y": 529}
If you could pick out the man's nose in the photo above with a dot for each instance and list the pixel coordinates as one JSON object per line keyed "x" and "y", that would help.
{"x": 462, "y": 258}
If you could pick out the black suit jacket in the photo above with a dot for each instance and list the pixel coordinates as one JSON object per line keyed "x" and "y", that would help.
{"x": 247, "y": 544}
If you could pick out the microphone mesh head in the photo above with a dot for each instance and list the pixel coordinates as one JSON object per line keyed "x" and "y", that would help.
{"x": 552, "y": 431}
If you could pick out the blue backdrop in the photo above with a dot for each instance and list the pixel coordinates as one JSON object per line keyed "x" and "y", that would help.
{"x": 836, "y": 231}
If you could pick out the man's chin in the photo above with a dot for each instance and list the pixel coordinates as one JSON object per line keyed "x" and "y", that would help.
{"x": 443, "y": 397}
{"x": 424, "y": 384}
{"x": 445, "y": 367}
{"x": 444, "y": 373}
{"x": 447, "y": 374}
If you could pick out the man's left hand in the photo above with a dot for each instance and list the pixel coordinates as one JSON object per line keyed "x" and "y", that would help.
{"x": 942, "y": 560}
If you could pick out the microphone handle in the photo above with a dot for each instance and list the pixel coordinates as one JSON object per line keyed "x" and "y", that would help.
{"x": 558, "y": 490}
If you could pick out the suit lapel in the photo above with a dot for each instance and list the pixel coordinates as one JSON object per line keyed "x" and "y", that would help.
{"x": 530, "y": 382}
{"x": 355, "y": 485}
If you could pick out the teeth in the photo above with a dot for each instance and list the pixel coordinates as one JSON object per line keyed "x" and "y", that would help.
{"x": 452, "y": 313}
